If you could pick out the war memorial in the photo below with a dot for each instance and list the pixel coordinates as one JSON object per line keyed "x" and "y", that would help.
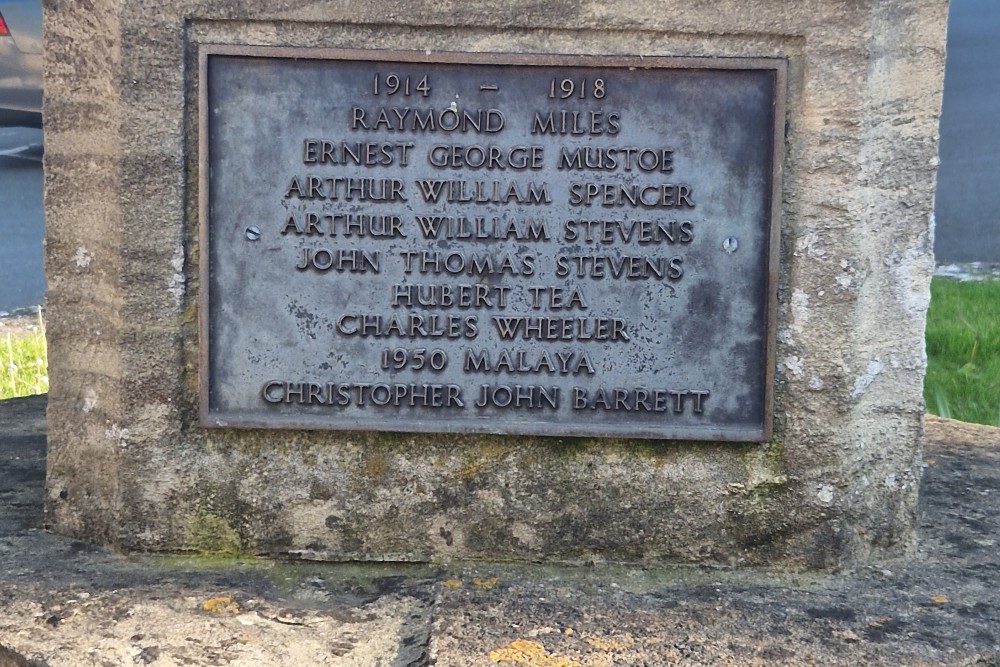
{"x": 546, "y": 285}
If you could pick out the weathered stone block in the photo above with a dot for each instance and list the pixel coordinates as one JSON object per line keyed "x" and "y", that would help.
{"x": 130, "y": 466}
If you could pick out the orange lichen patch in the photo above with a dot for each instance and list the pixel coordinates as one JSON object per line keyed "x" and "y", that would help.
{"x": 486, "y": 583}
{"x": 532, "y": 654}
{"x": 452, "y": 583}
{"x": 224, "y": 606}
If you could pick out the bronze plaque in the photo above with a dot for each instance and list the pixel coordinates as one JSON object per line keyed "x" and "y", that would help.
{"x": 489, "y": 243}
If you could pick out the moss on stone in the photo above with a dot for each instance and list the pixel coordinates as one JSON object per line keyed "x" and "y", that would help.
{"x": 212, "y": 535}
{"x": 568, "y": 446}
{"x": 375, "y": 465}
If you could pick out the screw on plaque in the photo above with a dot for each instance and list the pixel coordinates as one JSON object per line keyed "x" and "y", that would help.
{"x": 730, "y": 245}
{"x": 253, "y": 233}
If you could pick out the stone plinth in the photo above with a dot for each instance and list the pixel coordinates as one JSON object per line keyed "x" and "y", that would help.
{"x": 131, "y": 465}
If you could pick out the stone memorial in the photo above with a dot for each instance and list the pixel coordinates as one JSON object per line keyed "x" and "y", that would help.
{"x": 560, "y": 281}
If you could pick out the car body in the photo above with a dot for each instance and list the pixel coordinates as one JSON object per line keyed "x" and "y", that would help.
{"x": 21, "y": 63}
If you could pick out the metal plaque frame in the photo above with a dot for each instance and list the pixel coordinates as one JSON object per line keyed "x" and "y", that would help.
{"x": 266, "y": 327}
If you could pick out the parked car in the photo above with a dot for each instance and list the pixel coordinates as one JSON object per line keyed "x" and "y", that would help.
{"x": 21, "y": 63}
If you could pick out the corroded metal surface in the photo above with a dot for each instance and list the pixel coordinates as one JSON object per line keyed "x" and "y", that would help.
{"x": 503, "y": 244}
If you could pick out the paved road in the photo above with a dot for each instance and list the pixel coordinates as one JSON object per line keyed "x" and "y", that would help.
{"x": 968, "y": 192}
{"x": 22, "y": 222}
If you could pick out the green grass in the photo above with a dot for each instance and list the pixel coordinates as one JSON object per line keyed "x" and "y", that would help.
{"x": 963, "y": 351}
{"x": 24, "y": 367}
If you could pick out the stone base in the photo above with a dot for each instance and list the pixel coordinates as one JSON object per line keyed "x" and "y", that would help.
{"x": 129, "y": 466}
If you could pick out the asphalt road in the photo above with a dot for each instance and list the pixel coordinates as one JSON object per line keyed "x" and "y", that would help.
{"x": 968, "y": 190}
{"x": 22, "y": 222}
